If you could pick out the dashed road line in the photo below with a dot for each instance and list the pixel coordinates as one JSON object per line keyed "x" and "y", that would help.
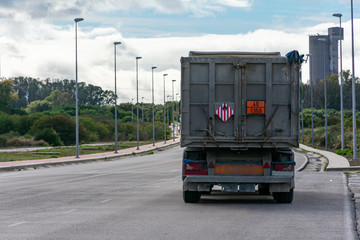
{"x": 17, "y": 224}
{"x": 70, "y": 211}
{"x": 107, "y": 200}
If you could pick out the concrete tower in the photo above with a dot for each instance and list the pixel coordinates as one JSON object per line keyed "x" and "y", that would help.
{"x": 316, "y": 48}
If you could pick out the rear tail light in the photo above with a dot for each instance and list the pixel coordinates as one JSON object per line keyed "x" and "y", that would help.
{"x": 195, "y": 167}
{"x": 279, "y": 166}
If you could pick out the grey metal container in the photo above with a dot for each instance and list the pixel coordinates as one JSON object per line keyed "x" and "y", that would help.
{"x": 257, "y": 93}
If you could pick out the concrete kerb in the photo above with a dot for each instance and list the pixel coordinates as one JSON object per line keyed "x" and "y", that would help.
{"x": 59, "y": 162}
{"x": 303, "y": 166}
{"x": 335, "y": 162}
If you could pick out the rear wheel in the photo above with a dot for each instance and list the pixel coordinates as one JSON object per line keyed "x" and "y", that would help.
{"x": 284, "y": 197}
{"x": 191, "y": 196}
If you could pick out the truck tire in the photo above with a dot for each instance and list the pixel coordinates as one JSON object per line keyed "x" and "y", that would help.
{"x": 191, "y": 196}
{"x": 284, "y": 197}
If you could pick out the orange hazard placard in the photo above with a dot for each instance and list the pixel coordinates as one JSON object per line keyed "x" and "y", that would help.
{"x": 255, "y": 107}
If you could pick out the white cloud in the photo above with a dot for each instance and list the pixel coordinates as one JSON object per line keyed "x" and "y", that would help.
{"x": 42, "y": 50}
{"x": 62, "y": 9}
{"x": 236, "y": 3}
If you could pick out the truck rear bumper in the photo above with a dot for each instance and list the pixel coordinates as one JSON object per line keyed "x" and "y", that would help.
{"x": 238, "y": 179}
{"x": 205, "y": 183}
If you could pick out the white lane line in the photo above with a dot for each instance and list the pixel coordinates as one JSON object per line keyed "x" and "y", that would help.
{"x": 70, "y": 211}
{"x": 16, "y": 224}
{"x": 107, "y": 200}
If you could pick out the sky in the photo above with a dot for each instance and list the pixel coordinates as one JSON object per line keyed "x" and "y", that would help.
{"x": 37, "y": 37}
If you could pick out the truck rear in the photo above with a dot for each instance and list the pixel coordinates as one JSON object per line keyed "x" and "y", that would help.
{"x": 239, "y": 122}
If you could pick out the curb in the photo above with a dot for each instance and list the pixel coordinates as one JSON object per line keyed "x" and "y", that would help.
{"x": 303, "y": 166}
{"x": 350, "y": 169}
{"x": 86, "y": 160}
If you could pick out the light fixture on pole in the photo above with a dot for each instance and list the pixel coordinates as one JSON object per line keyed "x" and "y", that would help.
{"x": 153, "y": 110}
{"x": 116, "y": 123}
{"x": 353, "y": 84}
{"x": 77, "y": 90}
{"x": 339, "y": 15}
{"x": 164, "y": 75}
{"x": 173, "y": 109}
{"x": 325, "y": 97}
{"x": 137, "y": 103}
{"x": 312, "y": 106}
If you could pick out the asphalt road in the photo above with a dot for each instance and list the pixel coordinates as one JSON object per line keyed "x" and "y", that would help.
{"x": 141, "y": 198}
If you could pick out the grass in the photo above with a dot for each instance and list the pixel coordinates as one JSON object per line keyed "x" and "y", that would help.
{"x": 65, "y": 151}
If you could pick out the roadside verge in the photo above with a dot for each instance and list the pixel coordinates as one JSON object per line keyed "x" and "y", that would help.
{"x": 106, "y": 156}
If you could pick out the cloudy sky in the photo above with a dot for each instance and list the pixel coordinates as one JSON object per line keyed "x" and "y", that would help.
{"x": 37, "y": 37}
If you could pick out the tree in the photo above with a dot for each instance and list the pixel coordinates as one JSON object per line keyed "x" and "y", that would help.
{"x": 38, "y": 106}
{"x": 58, "y": 98}
{"x": 6, "y": 95}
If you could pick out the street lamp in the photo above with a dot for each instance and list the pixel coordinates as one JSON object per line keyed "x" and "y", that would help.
{"x": 168, "y": 98}
{"x": 116, "y": 123}
{"x": 153, "y": 111}
{"x": 137, "y": 103}
{"x": 302, "y": 106}
{"x": 77, "y": 91}
{"x": 325, "y": 100}
{"x": 164, "y": 75}
{"x": 339, "y": 15}
{"x": 353, "y": 84}
{"x": 312, "y": 106}
{"x": 173, "y": 109}
{"x": 176, "y": 111}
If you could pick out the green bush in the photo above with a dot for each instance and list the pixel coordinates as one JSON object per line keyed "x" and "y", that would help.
{"x": 49, "y": 136}
{"x": 23, "y": 142}
{"x": 6, "y": 124}
{"x": 3, "y": 141}
{"x": 345, "y": 152}
{"x": 64, "y": 127}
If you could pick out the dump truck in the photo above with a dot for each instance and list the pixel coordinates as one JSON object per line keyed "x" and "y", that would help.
{"x": 239, "y": 122}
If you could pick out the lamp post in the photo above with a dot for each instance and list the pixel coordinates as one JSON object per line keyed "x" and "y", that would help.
{"x": 339, "y": 15}
{"x": 168, "y": 110}
{"x": 312, "y": 106}
{"x": 153, "y": 110}
{"x": 76, "y": 90}
{"x": 132, "y": 110}
{"x": 353, "y": 84}
{"x": 176, "y": 111}
{"x": 325, "y": 98}
{"x": 164, "y": 75}
{"x": 302, "y": 107}
{"x": 116, "y": 123}
{"x": 173, "y": 109}
{"x": 137, "y": 103}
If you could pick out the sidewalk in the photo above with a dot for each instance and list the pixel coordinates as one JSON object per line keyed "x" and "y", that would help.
{"x": 336, "y": 162}
{"x": 17, "y": 165}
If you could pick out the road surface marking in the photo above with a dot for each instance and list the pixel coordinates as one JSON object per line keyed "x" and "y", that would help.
{"x": 16, "y": 224}
{"x": 107, "y": 200}
{"x": 70, "y": 211}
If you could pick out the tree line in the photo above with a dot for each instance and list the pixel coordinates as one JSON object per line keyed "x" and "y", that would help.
{"x": 35, "y": 112}
{"x": 333, "y": 92}
{"x": 29, "y": 90}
